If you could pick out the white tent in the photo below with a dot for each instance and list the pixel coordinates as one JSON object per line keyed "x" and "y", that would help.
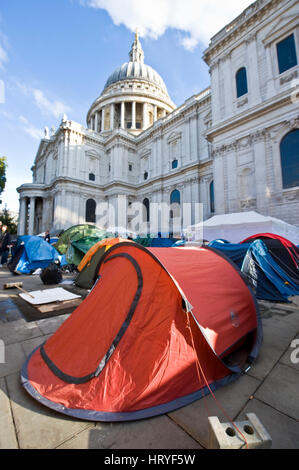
{"x": 238, "y": 226}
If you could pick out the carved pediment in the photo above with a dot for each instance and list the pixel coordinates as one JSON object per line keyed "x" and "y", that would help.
{"x": 282, "y": 26}
{"x": 174, "y": 136}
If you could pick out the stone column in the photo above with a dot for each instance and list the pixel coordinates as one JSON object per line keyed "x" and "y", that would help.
{"x": 111, "y": 116}
{"x": 22, "y": 216}
{"x": 103, "y": 120}
{"x": 96, "y": 121}
{"x": 252, "y": 71}
{"x": 270, "y": 81}
{"x": 144, "y": 117}
{"x": 122, "y": 115}
{"x": 31, "y": 216}
{"x": 155, "y": 113}
{"x": 133, "y": 114}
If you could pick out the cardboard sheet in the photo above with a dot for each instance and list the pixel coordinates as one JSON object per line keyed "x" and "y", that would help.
{"x": 57, "y": 294}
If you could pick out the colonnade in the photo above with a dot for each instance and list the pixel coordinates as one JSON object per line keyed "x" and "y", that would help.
{"x": 97, "y": 120}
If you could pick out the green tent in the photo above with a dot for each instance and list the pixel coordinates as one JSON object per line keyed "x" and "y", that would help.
{"x": 77, "y": 240}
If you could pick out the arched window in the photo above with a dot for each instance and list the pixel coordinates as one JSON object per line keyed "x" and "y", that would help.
{"x": 146, "y": 207}
{"x": 289, "y": 159}
{"x": 145, "y": 175}
{"x": 174, "y": 164}
{"x": 91, "y": 177}
{"x": 241, "y": 82}
{"x": 212, "y": 197}
{"x": 175, "y": 201}
{"x": 175, "y": 213}
{"x": 90, "y": 212}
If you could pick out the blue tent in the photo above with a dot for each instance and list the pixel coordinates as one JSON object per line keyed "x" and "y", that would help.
{"x": 273, "y": 276}
{"x": 235, "y": 251}
{"x": 30, "y": 253}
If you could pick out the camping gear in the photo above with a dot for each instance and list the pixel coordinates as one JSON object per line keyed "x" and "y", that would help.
{"x": 238, "y": 226}
{"x": 31, "y": 253}
{"x": 88, "y": 266}
{"x": 289, "y": 246}
{"x": 76, "y": 241}
{"x": 271, "y": 270}
{"x": 51, "y": 274}
{"x": 132, "y": 347}
{"x": 235, "y": 251}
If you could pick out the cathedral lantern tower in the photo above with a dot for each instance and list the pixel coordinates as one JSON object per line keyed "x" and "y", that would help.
{"x": 133, "y": 98}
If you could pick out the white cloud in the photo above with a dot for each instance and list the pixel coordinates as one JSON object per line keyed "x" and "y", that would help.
{"x": 3, "y": 50}
{"x": 35, "y": 132}
{"x": 49, "y": 107}
{"x": 198, "y": 19}
{"x": 54, "y": 108}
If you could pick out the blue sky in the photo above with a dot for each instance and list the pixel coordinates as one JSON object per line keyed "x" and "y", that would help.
{"x": 56, "y": 55}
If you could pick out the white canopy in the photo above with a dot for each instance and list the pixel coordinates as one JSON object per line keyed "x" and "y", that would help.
{"x": 238, "y": 226}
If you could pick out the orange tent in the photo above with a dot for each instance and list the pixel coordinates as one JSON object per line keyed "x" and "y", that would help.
{"x": 127, "y": 353}
{"x": 87, "y": 268}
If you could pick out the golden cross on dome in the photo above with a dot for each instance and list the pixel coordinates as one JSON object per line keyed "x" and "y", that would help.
{"x": 136, "y": 34}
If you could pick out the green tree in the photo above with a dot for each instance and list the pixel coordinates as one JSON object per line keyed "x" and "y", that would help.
{"x": 8, "y": 220}
{"x": 3, "y": 166}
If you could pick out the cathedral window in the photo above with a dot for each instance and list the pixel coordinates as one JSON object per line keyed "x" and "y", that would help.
{"x": 145, "y": 175}
{"x": 90, "y": 212}
{"x": 130, "y": 167}
{"x": 212, "y": 197}
{"x": 289, "y": 159}
{"x": 146, "y": 206}
{"x": 174, "y": 164}
{"x": 241, "y": 82}
{"x": 91, "y": 177}
{"x": 286, "y": 53}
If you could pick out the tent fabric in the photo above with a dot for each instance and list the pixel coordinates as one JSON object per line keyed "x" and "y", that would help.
{"x": 238, "y": 226}
{"x": 271, "y": 271}
{"x": 88, "y": 266}
{"x": 126, "y": 353}
{"x": 76, "y": 241}
{"x": 292, "y": 249}
{"x": 31, "y": 253}
{"x": 235, "y": 251}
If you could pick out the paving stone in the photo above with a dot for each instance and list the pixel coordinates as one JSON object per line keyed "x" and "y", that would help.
{"x": 232, "y": 397}
{"x": 278, "y": 333}
{"x": 9, "y": 311}
{"x": 50, "y": 325}
{"x": 8, "y": 438}
{"x": 14, "y": 358}
{"x": 291, "y": 356}
{"x": 37, "y": 426}
{"x": 31, "y": 344}
{"x": 154, "y": 433}
{"x": 280, "y": 390}
{"x": 283, "y": 430}
{"x": 18, "y": 331}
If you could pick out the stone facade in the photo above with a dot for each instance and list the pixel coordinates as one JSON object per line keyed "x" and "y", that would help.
{"x": 139, "y": 145}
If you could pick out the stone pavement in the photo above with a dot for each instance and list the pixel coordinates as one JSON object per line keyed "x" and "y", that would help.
{"x": 270, "y": 390}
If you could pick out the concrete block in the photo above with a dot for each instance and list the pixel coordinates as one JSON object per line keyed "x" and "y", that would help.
{"x": 226, "y": 436}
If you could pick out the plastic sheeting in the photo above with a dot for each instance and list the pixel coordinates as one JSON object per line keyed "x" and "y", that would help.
{"x": 31, "y": 253}
{"x": 270, "y": 280}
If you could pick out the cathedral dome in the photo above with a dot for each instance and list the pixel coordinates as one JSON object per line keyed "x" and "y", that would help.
{"x": 136, "y": 70}
{"x": 133, "y": 98}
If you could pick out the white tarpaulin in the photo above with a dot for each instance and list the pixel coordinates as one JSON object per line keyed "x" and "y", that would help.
{"x": 238, "y": 226}
{"x": 39, "y": 297}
